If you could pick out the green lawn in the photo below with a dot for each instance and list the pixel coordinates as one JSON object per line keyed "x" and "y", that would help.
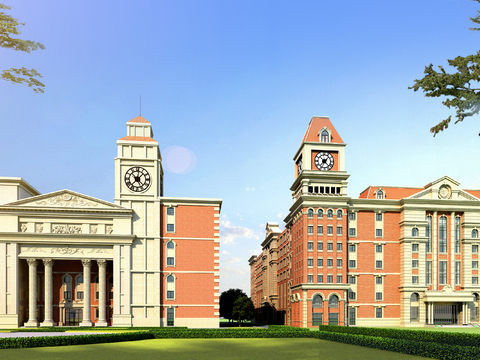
{"x": 208, "y": 349}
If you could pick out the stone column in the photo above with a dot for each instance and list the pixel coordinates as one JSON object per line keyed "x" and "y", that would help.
{"x": 32, "y": 293}
{"x": 102, "y": 298}
{"x": 87, "y": 264}
{"x": 48, "y": 321}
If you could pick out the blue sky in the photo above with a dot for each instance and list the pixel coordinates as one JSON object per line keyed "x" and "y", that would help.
{"x": 231, "y": 86}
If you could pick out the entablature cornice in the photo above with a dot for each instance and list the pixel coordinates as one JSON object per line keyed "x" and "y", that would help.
{"x": 66, "y": 212}
{"x": 440, "y": 205}
{"x": 307, "y": 175}
{"x": 66, "y": 239}
{"x": 413, "y": 239}
{"x": 309, "y": 286}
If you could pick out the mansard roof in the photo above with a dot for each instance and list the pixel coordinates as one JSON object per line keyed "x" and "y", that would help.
{"x": 317, "y": 123}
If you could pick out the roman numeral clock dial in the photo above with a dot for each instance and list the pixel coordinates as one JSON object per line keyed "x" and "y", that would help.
{"x": 137, "y": 179}
{"x": 324, "y": 161}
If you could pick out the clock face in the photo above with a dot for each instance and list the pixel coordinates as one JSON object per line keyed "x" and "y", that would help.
{"x": 324, "y": 161}
{"x": 299, "y": 166}
{"x": 137, "y": 179}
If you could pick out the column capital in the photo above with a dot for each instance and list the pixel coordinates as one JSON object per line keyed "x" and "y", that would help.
{"x": 86, "y": 262}
{"x": 32, "y": 262}
{"x": 102, "y": 263}
{"x": 48, "y": 262}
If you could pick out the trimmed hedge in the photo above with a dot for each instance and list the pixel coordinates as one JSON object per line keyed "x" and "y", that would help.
{"x": 41, "y": 341}
{"x": 448, "y": 338}
{"x": 410, "y": 347}
{"x": 232, "y": 333}
{"x": 92, "y": 328}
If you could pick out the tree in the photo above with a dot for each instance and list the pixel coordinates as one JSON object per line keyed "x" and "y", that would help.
{"x": 10, "y": 26}
{"x": 458, "y": 85}
{"x": 227, "y": 298}
{"x": 243, "y": 309}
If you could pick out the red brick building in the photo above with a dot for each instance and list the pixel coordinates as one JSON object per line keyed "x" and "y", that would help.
{"x": 395, "y": 256}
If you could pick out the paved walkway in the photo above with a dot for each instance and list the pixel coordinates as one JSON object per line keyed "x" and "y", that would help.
{"x": 35, "y": 334}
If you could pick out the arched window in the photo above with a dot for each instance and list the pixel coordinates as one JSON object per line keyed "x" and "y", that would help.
{"x": 379, "y": 194}
{"x": 170, "y": 245}
{"x": 333, "y": 301}
{"x": 310, "y": 213}
{"x": 428, "y": 233}
{"x": 67, "y": 287}
{"x": 330, "y": 213}
{"x": 442, "y": 234}
{"x": 325, "y": 136}
{"x": 79, "y": 288}
{"x": 414, "y": 307}
{"x": 339, "y": 214}
{"x": 170, "y": 253}
{"x": 320, "y": 213}
{"x": 317, "y": 301}
{"x": 474, "y": 233}
{"x": 414, "y": 232}
{"x": 170, "y": 287}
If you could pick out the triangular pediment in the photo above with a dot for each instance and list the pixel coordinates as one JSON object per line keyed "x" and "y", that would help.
{"x": 64, "y": 199}
{"x": 444, "y": 188}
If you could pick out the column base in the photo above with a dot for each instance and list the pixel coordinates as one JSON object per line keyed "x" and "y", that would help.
{"x": 31, "y": 324}
{"x": 101, "y": 323}
{"x": 86, "y": 323}
{"x": 47, "y": 323}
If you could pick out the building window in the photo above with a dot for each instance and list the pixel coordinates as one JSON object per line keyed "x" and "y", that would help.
{"x": 330, "y": 213}
{"x": 310, "y": 229}
{"x": 317, "y": 301}
{"x": 320, "y": 213}
{"x": 170, "y": 287}
{"x": 320, "y": 230}
{"x": 351, "y": 263}
{"x": 378, "y": 280}
{"x": 310, "y": 278}
{"x": 310, "y": 262}
{"x": 429, "y": 272}
{"x": 378, "y": 313}
{"x": 170, "y": 317}
{"x": 339, "y": 262}
{"x": 170, "y": 227}
{"x": 474, "y": 249}
{"x": 428, "y": 233}
{"x": 378, "y": 264}
{"x": 339, "y": 230}
{"x": 351, "y": 316}
{"x": 475, "y": 264}
{"x": 170, "y": 211}
{"x": 339, "y": 279}
{"x": 325, "y": 136}
{"x": 378, "y": 232}
{"x": 474, "y": 233}
{"x": 170, "y": 295}
{"x": 352, "y": 295}
{"x": 79, "y": 295}
{"x": 474, "y": 280}
{"x": 170, "y": 245}
{"x": 351, "y": 216}
{"x": 329, "y": 230}
{"x": 378, "y": 216}
{"x": 380, "y": 194}
{"x": 351, "y": 247}
{"x": 170, "y": 261}
{"x": 339, "y": 246}
{"x": 457, "y": 272}
{"x": 333, "y": 301}
{"x": 442, "y": 278}
{"x": 414, "y": 307}
{"x": 457, "y": 235}
{"x": 330, "y": 246}
{"x": 414, "y": 247}
{"x": 310, "y": 212}
{"x": 415, "y": 279}
{"x": 329, "y": 279}
{"x": 330, "y": 262}
{"x": 319, "y": 246}
{"x": 339, "y": 214}
{"x": 415, "y": 264}
{"x": 310, "y": 246}
{"x": 378, "y": 248}
{"x": 414, "y": 232}
{"x": 442, "y": 235}
{"x": 351, "y": 279}
{"x": 378, "y": 296}
{"x": 320, "y": 262}
{"x": 319, "y": 279}
{"x": 352, "y": 232}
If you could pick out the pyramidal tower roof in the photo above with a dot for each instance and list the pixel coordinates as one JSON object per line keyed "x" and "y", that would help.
{"x": 139, "y": 119}
{"x": 317, "y": 123}
{"x": 139, "y": 129}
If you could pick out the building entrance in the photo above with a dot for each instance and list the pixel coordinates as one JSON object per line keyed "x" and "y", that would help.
{"x": 73, "y": 317}
{"x": 446, "y": 314}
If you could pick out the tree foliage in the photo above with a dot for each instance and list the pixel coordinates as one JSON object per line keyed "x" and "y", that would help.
{"x": 10, "y": 26}
{"x": 461, "y": 87}
{"x": 227, "y": 299}
{"x": 243, "y": 309}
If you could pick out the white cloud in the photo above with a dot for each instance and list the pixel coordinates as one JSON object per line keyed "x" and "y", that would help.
{"x": 225, "y": 252}
{"x": 231, "y": 261}
{"x": 279, "y": 215}
{"x": 248, "y": 189}
{"x": 230, "y": 232}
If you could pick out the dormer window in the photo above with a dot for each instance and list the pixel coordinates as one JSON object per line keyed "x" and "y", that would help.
{"x": 325, "y": 137}
{"x": 380, "y": 194}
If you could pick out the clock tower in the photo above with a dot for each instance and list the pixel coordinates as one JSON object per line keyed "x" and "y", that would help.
{"x": 138, "y": 165}
{"x": 320, "y": 161}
